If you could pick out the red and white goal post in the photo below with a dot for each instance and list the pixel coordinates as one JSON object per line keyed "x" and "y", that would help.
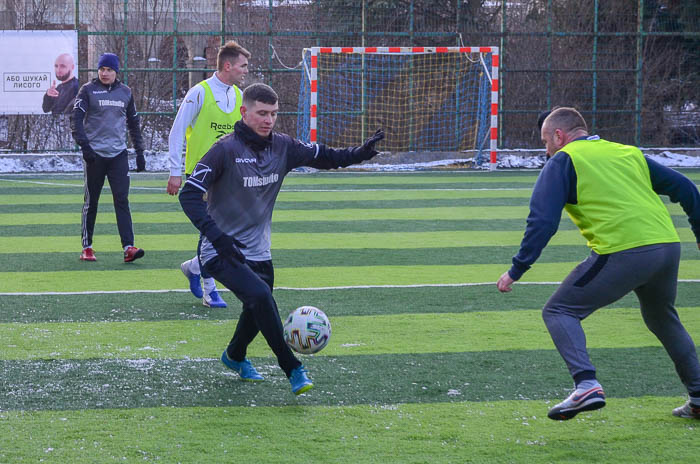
{"x": 426, "y": 98}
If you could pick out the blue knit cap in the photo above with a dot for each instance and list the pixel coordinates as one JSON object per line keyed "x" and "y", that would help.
{"x": 110, "y": 60}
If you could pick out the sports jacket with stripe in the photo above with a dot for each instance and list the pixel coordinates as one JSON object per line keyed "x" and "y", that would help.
{"x": 242, "y": 185}
{"x": 100, "y": 115}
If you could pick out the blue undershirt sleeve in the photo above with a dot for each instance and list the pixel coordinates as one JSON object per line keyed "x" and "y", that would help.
{"x": 679, "y": 189}
{"x": 555, "y": 186}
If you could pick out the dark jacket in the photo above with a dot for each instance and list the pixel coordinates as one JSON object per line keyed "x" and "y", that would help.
{"x": 66, "y": 96}
{"x": 243, "y": 181}
{"x": 100, "y": 117}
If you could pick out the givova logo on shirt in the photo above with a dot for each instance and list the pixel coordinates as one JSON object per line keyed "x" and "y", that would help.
{"x": 260, "y": 181}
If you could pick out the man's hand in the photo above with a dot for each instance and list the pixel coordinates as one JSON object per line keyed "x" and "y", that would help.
{"x": 51, "y": 91}
{"x": 140, "y": 162}
{"x": 174, "y": 183}
{"x": 89, "y": 155}
{"x": 367, "y": 148}
{"x": 228, "y": 247}
{"x": 504, "y": 283}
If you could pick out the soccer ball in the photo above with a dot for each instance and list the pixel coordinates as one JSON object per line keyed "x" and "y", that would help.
{"x": 307, "y": 330}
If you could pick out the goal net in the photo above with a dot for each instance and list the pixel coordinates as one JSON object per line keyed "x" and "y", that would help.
{"x": 433, "y": 99}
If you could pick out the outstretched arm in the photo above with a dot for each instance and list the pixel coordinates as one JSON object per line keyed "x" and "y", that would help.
{"x": 323, "y": 157}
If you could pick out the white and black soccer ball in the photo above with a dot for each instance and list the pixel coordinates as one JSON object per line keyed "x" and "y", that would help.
{"x": 307, "y": 330}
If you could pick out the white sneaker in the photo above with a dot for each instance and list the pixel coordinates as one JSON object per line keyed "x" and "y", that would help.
{"x": 687, "y": 411}
{"x": 580, "y": 400}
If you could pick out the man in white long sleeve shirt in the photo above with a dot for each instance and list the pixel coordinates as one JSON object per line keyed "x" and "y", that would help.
{"x": 210, "y": 110}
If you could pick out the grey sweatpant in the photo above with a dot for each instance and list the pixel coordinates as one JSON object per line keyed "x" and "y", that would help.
{"x": 652, "y": 273}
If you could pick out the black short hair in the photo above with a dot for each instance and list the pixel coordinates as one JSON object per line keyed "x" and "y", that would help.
{"x": 259, "y": 92}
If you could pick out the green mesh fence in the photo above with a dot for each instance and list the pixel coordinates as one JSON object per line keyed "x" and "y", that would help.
{"x": 632, "y": 68}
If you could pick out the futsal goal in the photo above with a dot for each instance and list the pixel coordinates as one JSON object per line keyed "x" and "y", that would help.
{"x": 433, "y": 99}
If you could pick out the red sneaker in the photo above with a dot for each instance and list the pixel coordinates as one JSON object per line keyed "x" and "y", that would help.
{"x": 132, "y": 253}
{"x": 87, "y": 255}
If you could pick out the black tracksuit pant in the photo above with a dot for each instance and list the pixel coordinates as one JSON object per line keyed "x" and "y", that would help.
{"x": 252, "y": 283}
{"x": 117, "y": 172}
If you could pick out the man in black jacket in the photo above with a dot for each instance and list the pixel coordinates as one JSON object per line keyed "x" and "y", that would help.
{"x": 59, "y": 98}
{"x": 103, "y": 109}
{"x": 242, "y": 174}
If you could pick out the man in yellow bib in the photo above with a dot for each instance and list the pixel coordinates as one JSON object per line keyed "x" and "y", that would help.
{"x": 210, "y": 110}
{"x": 611, "y": 192}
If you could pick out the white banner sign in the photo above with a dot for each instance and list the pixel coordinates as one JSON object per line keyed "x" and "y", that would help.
{"x": 39, "y": 71}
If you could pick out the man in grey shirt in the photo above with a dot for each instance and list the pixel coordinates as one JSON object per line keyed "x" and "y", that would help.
{"x": 103, "y": 110}
{"x": 242, "y": 174}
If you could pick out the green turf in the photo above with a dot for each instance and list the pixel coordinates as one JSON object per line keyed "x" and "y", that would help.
{"x": 359, "y": 225}
{"x": 177, "y": 216}
{"x": 301, "y": 241}
{"x": 343, "y": 380}
{"x": 319, "y": 207}
{"x": 315, "y": 201}
{"x": 311, "y": 227}
{"x": 357, "y": 184}
{"x": 130, "y": 276}
{"x": 457, "y": 432}
{"x": 352, "y": 335}
{"x": 139, "y": 306}
{"x": 424, "y": 374}
{"x": 287, "y": 196}
{"x": 22, "y": 262}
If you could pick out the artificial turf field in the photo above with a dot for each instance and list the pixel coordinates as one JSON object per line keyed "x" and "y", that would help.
{"x": 428, "y": 362}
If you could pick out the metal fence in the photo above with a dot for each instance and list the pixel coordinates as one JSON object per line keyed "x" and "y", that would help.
{"x": 631, "y": 66}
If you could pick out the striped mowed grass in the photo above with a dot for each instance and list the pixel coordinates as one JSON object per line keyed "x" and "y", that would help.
{"x": 109, "y": 361}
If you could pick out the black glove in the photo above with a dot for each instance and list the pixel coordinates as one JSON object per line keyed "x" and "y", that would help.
{"x": 89, "y": 154}
{"x": 228, "y": 247}
{"x": 367, "y": 150}
{"x": 140, "y": 162}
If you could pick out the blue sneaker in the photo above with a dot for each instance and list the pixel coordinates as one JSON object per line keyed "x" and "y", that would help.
{"x": 195, "y": 284}
{"x": 300, "y": 381}
{"x": 213, "y": 300}
{"x": 244, "y": 368}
